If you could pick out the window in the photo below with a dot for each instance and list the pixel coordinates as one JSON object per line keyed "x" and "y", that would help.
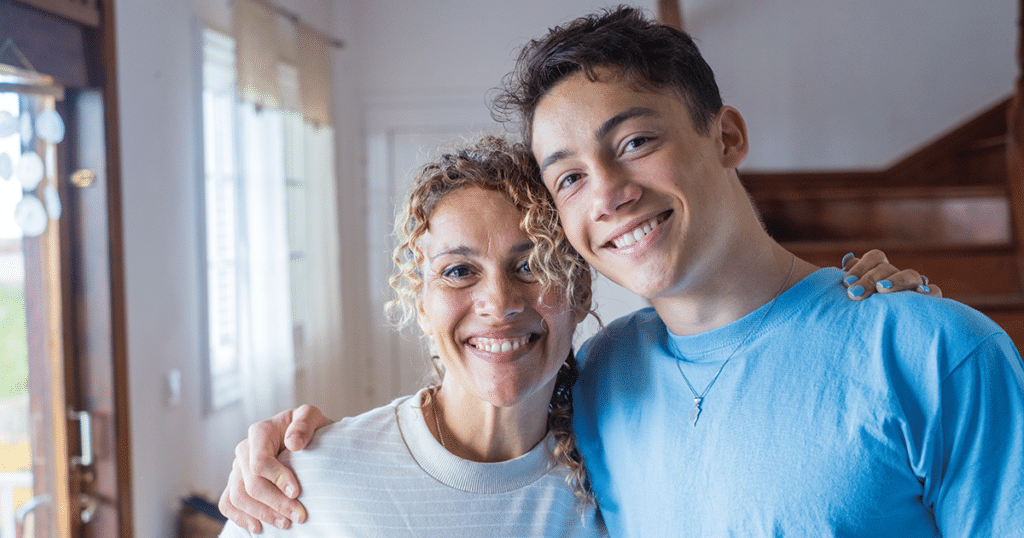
{"x": 221, "y": 201}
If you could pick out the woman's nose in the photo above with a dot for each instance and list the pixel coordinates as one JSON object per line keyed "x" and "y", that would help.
{"x": 500, "y": 298}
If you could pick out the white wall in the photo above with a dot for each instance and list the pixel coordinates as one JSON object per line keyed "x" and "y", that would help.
{"x": 838, "y": 84}
{"x": 822, "y": 83}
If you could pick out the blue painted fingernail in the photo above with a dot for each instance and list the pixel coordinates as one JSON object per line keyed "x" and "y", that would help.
{"x": 849, "y": 280}
{"x": 846, "y": 259}
{"x": 924, "y": 289}
{"x": 856, "y": 291}
{"x": 885, "y": 284}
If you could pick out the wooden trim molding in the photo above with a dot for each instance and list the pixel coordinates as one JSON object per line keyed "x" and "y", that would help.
{"x": 1014, "y": 147}
{"x": 670, "y": 12}
{"x": 119, "y": 321}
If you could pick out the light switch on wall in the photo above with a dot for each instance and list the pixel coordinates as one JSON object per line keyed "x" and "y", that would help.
{"x": 172, "y": 388}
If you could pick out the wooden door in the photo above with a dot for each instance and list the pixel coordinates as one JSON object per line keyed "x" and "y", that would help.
{"x": 72, "y": 291}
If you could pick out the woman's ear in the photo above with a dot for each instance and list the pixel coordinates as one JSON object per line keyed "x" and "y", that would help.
{"x": 733, "y": 131}
{"x": 422, "y": 319}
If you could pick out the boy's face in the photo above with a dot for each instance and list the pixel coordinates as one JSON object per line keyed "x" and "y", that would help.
{"x": 641, "y": 194}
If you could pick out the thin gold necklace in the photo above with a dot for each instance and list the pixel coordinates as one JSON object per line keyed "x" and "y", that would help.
{"x": 698, "y": 398}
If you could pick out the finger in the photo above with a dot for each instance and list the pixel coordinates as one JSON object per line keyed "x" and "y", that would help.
{"x": 232, "y": 511}
{"x": 266, "y": 440}
{"x": 863, "y": 273}
{"x": 267, "y": 480}
{"x": 867, "y": 284}
{"x": 860, "y": 266}
{"x": 848, "y": 259}
{"x": 909, "y": 280}
{"x": 305, "y": 421}
{"x": 261, "y": 498}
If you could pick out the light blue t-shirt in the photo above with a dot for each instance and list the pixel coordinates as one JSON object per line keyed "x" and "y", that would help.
{"x": 900, "y": 415}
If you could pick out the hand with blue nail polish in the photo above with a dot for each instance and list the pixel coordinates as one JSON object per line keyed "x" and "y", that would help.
{"x": 873, "y": 273}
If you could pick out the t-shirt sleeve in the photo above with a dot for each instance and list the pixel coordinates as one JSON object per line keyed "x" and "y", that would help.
{"x": 976, "y": 487}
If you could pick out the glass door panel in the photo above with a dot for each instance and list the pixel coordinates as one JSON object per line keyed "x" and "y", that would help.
{"x": 34, "y": 474}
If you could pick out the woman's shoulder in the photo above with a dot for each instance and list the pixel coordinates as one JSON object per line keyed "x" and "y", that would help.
{"x": 370, "y": 435}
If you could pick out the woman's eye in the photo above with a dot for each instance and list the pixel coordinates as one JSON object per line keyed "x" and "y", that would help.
{"x": 568, "y": 180}
{"x": 457, "y": 271}
{"x": 525, "y": 272}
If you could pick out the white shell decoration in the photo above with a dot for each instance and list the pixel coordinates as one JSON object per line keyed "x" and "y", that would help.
{"x": 30, "y": 170}
{"x": 8, "y": 125}
{"x": 53, "y": 207}
{"x": 6, "y": 168}
{"x": 50, "y": 126}
{"x": 30, "y": 215}
{"x": 26, "y": 127}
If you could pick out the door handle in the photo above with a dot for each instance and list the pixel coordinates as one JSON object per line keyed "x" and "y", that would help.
{"x": 22, "y": 513}
{"x": 85, "y": 432}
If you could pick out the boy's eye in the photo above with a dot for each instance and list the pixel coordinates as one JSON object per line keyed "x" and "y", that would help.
{"x": 636, "y": 142}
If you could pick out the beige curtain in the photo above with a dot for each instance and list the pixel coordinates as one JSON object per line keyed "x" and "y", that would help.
{"x": 256, "y": 54}
{"x": 314, "y": 78}
{"x": 264, "y": 39}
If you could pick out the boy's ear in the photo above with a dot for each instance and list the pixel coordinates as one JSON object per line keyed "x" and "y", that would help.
{"x": 733, "y": 132}
{"x": 584, "y": 296}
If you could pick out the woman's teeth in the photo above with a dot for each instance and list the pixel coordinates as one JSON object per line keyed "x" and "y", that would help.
{"x": 496, "y": 345}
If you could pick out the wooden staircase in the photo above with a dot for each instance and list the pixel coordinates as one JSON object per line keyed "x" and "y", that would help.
{"x": 952, "y": 210}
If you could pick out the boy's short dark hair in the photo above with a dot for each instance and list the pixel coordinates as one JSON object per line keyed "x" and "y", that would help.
{"x": 648, "y": 55}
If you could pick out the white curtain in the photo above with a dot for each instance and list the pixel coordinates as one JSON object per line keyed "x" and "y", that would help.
{"x": 323, "y": 346}
{"x": 266, "y": 358}
{"x": 292, "y": 319}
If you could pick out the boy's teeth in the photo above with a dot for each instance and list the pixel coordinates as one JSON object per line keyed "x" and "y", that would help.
{"x": 630, "y": 238}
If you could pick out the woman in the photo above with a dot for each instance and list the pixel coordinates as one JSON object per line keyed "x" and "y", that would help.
{"x": 487, "y": 273}
{"x": 484, "y": 270}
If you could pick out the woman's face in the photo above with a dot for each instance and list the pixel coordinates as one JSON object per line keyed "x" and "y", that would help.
{"x": 500, "y": 337}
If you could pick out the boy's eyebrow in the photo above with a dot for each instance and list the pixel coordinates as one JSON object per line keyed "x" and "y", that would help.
{"x": 617, "y": 119}
{"x": 601, "y": 132}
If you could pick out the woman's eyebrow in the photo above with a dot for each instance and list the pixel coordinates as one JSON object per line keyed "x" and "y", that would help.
{"x": 463, "y": 250}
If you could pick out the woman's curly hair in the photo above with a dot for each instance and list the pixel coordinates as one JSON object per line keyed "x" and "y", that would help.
{"x": 496, "y": 164}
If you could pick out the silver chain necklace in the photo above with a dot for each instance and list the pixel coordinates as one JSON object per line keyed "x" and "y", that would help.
{"x": 698, "y": 398}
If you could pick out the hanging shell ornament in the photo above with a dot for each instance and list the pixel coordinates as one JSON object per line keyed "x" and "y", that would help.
{"x": 6, "y": 168}
{"x": 53, "y": 206}
{"x": 30, "y": 216}
{"x": 26, "y": 127}
{"x": 8, "y": 125}
{"x": 29, "y": 170}
{"x": 50, "y": 126}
